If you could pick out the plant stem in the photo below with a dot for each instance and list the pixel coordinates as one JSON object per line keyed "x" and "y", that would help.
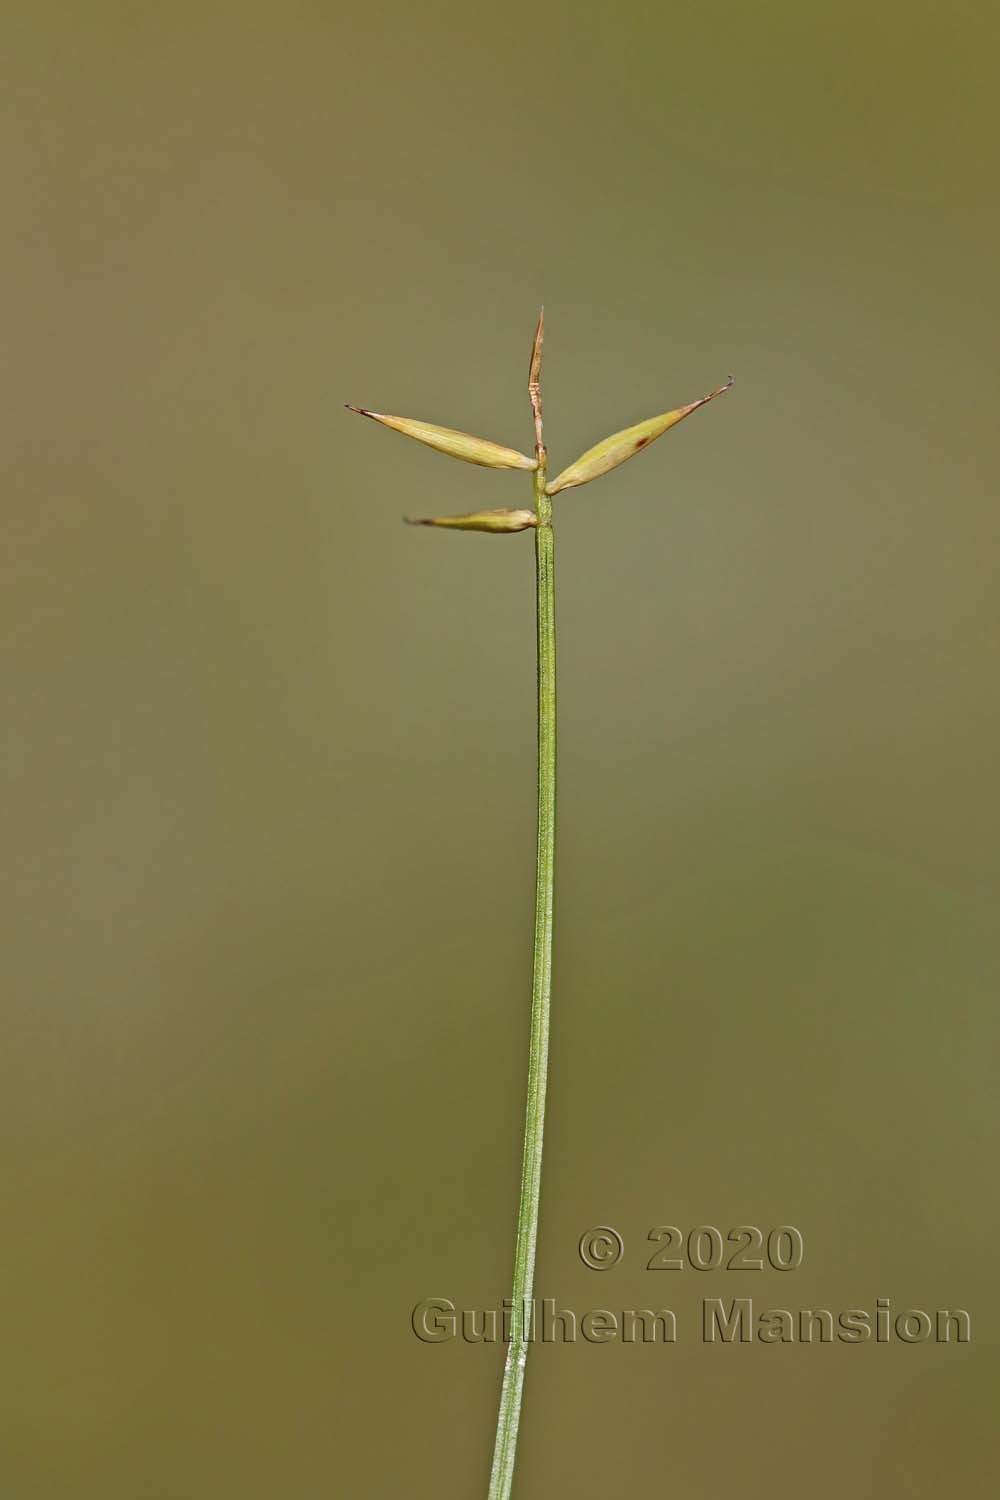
{"x": 502, "y": 1475}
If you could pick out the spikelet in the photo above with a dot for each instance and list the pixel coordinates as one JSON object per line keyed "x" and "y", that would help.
{"x": 480, "y": 520}
{"x": 456, "y": 444}
{"x": 616, "y": 449}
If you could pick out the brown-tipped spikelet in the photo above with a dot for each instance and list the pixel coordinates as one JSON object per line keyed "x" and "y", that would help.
{"x": 622, "y": 445}
{"x": 457, "y": 444}
{"x": 480, "y": 520}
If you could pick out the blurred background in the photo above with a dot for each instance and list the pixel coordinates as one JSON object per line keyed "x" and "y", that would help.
{"x": 268, "y": 754}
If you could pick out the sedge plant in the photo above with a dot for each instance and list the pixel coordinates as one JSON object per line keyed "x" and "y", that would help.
{"x": 596, "y": 461}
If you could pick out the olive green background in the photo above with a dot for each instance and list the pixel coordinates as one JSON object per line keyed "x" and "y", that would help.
{"x": 268, "y": 754}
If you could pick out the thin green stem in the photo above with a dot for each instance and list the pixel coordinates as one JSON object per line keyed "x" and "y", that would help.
{"x": 502, "y": 1475}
